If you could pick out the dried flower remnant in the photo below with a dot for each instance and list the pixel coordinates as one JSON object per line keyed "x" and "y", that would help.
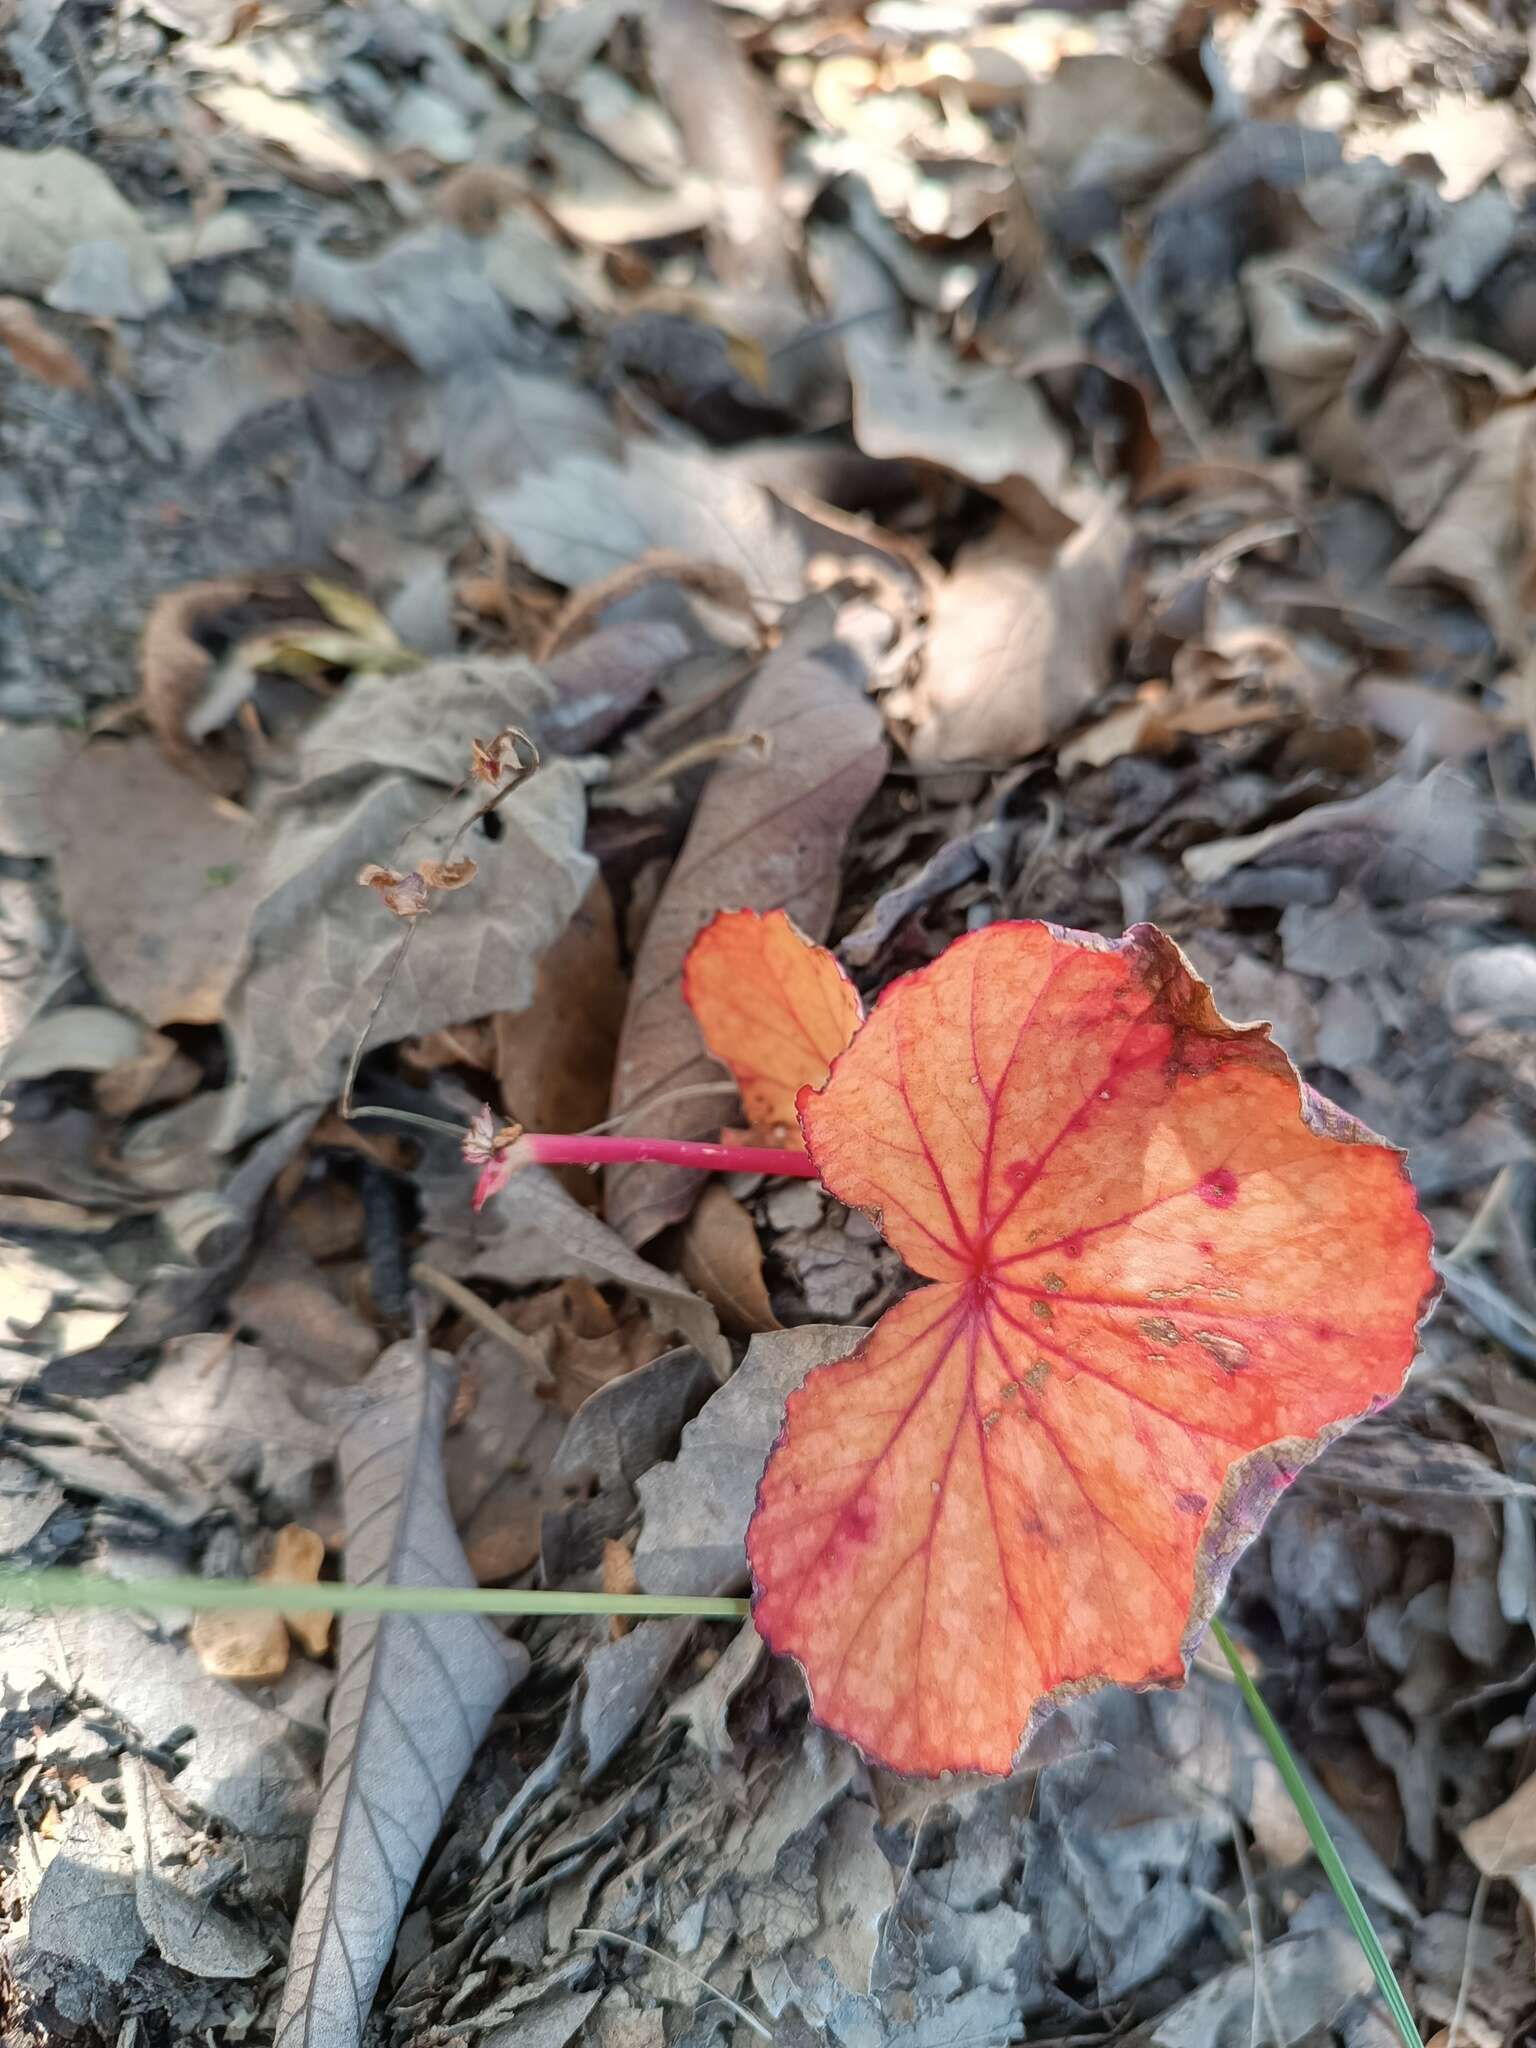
{"x": 408, "y": 895}
{"x": 488, "y": 1145}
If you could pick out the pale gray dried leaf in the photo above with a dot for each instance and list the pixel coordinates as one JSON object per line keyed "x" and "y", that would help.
{"x": 622, "y": 1678}
{"x": 1399, "y": 841}
{"x": 1104, "y": 118}
{"x": 767, "y": 834}
{"x": 1309, "y": 1976}
{"x": 84, "y": 1907}
{"x": 242, "y": 1767}
{"x": 704, "y": 1707}
{"x": 28, "y": 1500}
{"x": 588, "y": 516}
{"x": 697, "y": 1507}
{"x": 424, "y": 291}
{"x": 414, "y": 1696}
{"x": 548, "y": 2024}
{"x": 173, "y": 1896}
{"x": 80, "y": 1038}
{"x": 913, "y": 399}
{"x": 1019, "y": 643}
{"x": 371, "y": 770}
{"x": 533, "y": 1230}
{"x": 499, "y": 424}
{"x": 1491, "y": 984}
{"x": 32, "y": 760}
{"x": 54, "y": 201}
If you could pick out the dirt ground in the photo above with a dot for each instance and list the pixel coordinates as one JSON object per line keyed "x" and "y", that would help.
{"x": 919, "y": 463}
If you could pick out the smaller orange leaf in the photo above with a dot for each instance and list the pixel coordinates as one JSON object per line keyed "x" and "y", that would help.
{"x": 773, "y": 1007}
{"x": 448, "y": 874}
{"x": 404, "y": 895}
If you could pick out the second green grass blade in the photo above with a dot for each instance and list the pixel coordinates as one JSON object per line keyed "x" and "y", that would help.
{"x": 1333, "y": 1864}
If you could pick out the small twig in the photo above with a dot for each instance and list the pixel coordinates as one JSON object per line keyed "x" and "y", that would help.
{"x": 345, "y": 1105}
{"x": 682, "y": 1969}
{"x": 468, "y": 1303}
{"x": 718, "y": 746}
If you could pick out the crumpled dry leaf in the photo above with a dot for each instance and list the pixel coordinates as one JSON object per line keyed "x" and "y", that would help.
{"x": 1367, "y": 407}
{"x": 1475, "y": 543}
{"x": 765, "y": 836}
{"x": 245, "y": 1643}
{"x": 372, "y": 768}
{"x": 721, "y": 1257}
{"x": 698, "y": 1506}
{"x": 33, "y": 759}
{"x": 1019, "y": 643}
{"x": 157, "y": 881}
{"x": 414, "y": 1695}
{"x": 41, "y": 354}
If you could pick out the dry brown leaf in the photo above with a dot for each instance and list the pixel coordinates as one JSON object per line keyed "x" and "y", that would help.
{"x": 156, "y": 881}
{"x": 721, "y": 1259}
{"x": 297, "y": 1557}
{"x": 405, "y": 896}
{"x": 1019, "y": 643}
{"x": 41, "y": 354}
{"x": 1368, "y": 409}
{"x": 232, "y": 1643}
{"x": 449, "y": 874}
{"x": 767, "y": 835}
{"x": 554, "y": 1061}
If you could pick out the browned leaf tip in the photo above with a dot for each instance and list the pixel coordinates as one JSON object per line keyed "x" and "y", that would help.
{"x": 492, "y": 758}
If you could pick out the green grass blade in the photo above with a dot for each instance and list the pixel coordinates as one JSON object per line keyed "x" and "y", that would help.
{"x": 1333, "y": 1865}
{"x": 55, "y": 1586}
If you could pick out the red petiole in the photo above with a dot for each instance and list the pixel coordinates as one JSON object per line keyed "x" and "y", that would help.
{"x": 548, "y": 1148}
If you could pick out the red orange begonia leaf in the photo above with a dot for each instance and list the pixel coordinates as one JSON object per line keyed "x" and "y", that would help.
{"x": 1164, "y": 1275}
{"x": 772, "y": 1006}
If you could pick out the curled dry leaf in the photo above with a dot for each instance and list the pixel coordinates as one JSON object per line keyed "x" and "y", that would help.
{"x": 721, "y": 1258}
{"x": 41, "y": 354}
{"x": 449, "y": 874}
{"x": 774, "y": 1008}
{"x": 174, "y": 664}
{"x": 1163, "y": 1275}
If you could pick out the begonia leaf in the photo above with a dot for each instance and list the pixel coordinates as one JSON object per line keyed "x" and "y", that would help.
{"x": 1164, "y": 1275}
{"x": 773, "y": 1007}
